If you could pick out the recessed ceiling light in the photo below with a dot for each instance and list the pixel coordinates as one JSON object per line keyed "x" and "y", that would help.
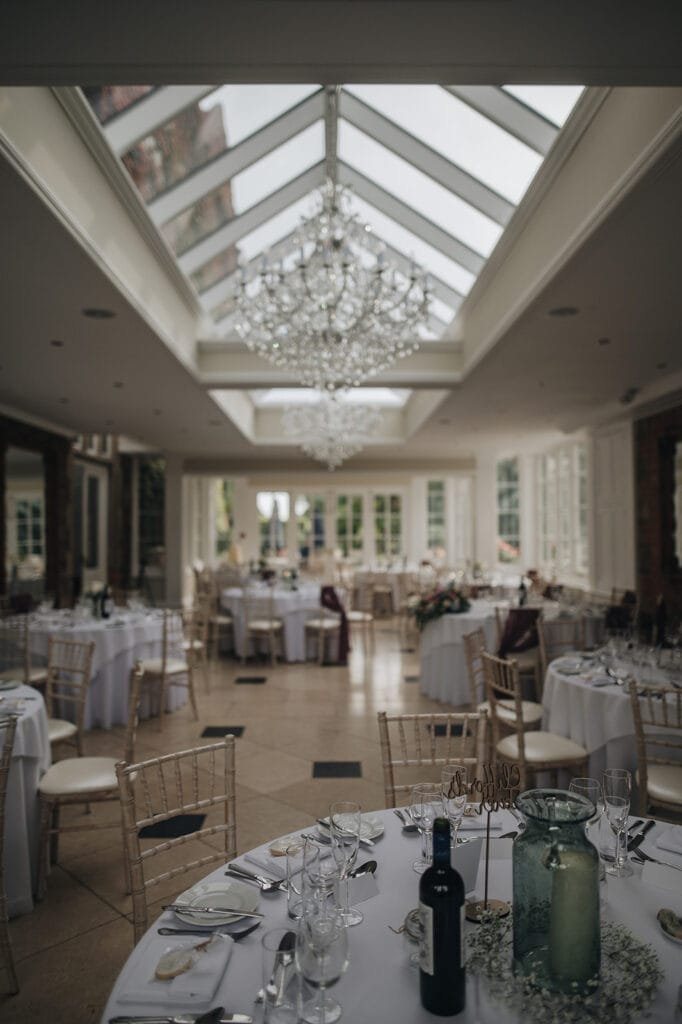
{"x": 57, "y": 343}
{"x": 98, "y": 313}
{"x": 564, "y": 311}
{"x": 157, "y": 412}
{"x": 661, "y": 366}
{"x": 603, "y": 341}
{"x": 118, "y": 383}
{"x": 63, "y": 401}
{"x": 628, "y": 396}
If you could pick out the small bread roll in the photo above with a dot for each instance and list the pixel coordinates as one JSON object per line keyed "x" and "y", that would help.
{"x": 174, "y": 962}
{"x": 280, "y": 846}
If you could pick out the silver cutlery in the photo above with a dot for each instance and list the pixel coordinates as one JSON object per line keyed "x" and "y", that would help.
{"x": 641, "y": 856}
{"x": 346, "y": 832}
{"x": 368, "y": 868}
{"x": 187, "y": 1018}
{"x": 635, "y": 825}
{"x": 266, "y": 885}
{"x": 277, "y": 984}
{"x": 235, "y": 936}
{"x": 184, "y": 909}
{"x": 408, "y": 826}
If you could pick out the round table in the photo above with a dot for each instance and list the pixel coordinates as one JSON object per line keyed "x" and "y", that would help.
{"x": 30, "y": 758}
{"x": 380, "y": 985}
{"x": 119, "y": 642}
{"x": 293, "y": 607}
{"x": 443, "y": 670}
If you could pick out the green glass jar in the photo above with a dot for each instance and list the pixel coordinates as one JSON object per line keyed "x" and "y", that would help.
{"x": 556, "y": 892}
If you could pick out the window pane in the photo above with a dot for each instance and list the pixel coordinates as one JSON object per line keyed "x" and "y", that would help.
{"x": 418, "y": 190}
{"x": 555, "y": 102}
{"x": 109, "y": 100}
{"x": 216, "y": 269}
{"x": 458, "y": 132}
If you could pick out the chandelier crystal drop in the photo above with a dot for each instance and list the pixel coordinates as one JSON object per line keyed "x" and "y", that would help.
{"x": 332, "y": 429}
{"x": 335, "y": 311}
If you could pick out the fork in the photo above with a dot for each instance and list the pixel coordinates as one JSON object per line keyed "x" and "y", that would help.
{"x": 641, "y": 856}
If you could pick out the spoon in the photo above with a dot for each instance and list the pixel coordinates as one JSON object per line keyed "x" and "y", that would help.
{"x": 368, "y": 868}
{"x": 408, "y": 826}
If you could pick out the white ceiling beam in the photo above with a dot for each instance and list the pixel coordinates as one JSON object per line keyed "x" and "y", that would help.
{"x": 224, "y": 167}
{"x": 252, "y": 218}
{"x": 149, "y": 113}
{"x": 220, "y": 291}
{"x": 412, "y": 221}
{"x": 508, "y": 113}
{"x": 425, "y": 159}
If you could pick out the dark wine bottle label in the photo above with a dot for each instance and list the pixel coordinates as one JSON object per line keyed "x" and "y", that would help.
{"x": 426, "y": 949}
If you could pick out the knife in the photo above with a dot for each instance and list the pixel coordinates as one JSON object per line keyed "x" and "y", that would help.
{"x": 649, "y": 825}
{"x": 361, "y": 839}
{"x": 184, "y": 909}
{"x": 215, "y": 1016}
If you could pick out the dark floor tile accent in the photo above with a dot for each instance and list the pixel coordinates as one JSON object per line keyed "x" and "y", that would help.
{"x": 223, "y": 730}
{"x": 441, "y": 730}
{"x": 411, "y": 679}
{"x": 180, "y": 825}
{"x": 250, "y": 679}
{"x": 337, "y": 770}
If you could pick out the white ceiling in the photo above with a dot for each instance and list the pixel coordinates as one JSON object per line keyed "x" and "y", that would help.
{"x": 545, "y": 375}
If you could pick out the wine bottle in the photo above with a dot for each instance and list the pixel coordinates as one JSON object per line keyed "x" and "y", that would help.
{"x": 441, "y": 902}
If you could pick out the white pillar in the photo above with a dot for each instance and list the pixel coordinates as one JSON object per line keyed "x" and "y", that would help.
{"x": 290, "y": 533}
{"x": 485, "y": 502}
{"x": 527, "y": 512}
{"x": 173, "y": 522}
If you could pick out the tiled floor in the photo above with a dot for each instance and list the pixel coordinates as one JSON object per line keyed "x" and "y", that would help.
{"x": 73, "y": 945}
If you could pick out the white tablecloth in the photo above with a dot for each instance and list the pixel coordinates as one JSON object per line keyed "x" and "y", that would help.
{"x": 380, "y": 985}
{"x": 443, "y": 671}
{"x": 293, "y": 607}
{"x": 119, "y": 642}
{"x": 30, "y": 758}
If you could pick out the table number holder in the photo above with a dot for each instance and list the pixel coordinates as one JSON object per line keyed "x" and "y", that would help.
{"x": 495, "y": 791}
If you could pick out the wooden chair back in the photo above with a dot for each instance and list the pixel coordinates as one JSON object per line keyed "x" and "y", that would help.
{"x": 657, "y": 716}
{"x": 503, "y": 687}
{"x": 415, "y": 747}
{"x": 189, "y": 782}
{"x": 69, "y": 669}
{"x": 173, "y": 638}
{"x": 15, "y": 658}
{"x": 474, "y": 646}
{"x": 7, "y": 730}
{"x": 559, "y": 636}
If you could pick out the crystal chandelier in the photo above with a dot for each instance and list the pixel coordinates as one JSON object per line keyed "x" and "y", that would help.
{"x": 335, "y": 311}
{"x": 331, "y": 430}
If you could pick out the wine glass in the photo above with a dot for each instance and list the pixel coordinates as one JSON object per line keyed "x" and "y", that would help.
{"x": 424, "y": 811}
{"x": 453, "y": 790}
{"x": 319, "y": 871}
{"x": 591, "y": 788}
{"x": 345, "y": 822}
{"x": 617, "y": 786}
{"x": 321, "y": 959}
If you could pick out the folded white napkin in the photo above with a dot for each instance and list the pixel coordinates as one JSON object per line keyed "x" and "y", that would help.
{"x": 194, "y": 988}
{"x": 274, "y": 867}
{"x": 671, "y": 839}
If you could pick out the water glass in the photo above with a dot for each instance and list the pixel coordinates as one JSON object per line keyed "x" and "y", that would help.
{"x": 591, "y": 788}
{"x": 280, "y": 988}
{"x": 425, "y": 806}
{"x": 345, "y": 822}
{"x": 298, "y": 884}
{"x": 320, "y": 871}
{"x": 321, "y": 959}
{"x": 453, "y": 788}
{"x": 616, "y": 783}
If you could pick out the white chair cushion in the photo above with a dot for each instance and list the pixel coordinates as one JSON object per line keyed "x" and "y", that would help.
{"x": 264, "y": 625}
{"x": 221, "y": 620}
{"x": 530, "y": 712}
{"x": 79, "y": 775}
{"x": 328, "y": 624}
{"x": 664, "y": 782}
{"x": 58, "y": 729}
{"x": 356, "y": 616}
{"x": 154, "y": 666}
{"x": 542, "y": 746}
{"x": 37, "y": 675}
{"x": 193, "y": 645}
{"x": 527, "y": 661}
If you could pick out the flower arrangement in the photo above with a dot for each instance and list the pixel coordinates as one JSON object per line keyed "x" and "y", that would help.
{"x": 444, "y": 601}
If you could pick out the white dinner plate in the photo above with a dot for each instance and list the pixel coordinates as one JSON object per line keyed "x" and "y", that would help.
{"x": 371, "y": 826}
{"x": 568, "y": 666}
{"x": 227, "y": 893}
{"x": 10, "y": 684}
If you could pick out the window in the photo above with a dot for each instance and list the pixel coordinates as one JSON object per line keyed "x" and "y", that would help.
{"x": 151, "y": 483}
{"x": 508, "y": 518}
{"x": 349, "y": 524}
{"x": 273, "y": 515}
{"x": 562, "y": 504}
{"x": 387, "y": 525}
{"x": 224, "y": 515}
{"x": 29, "y": 527}
{"x": 310, "y": 511}
{"x": 435, "y": 516}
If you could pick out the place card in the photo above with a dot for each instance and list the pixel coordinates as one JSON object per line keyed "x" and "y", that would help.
{"x": 363, "y": 888}
{"x": 662, "y": 876}
{"x": 465, "y": 858}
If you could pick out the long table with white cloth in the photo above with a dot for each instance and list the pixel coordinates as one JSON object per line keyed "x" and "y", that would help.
{"x": 380, "y": 984}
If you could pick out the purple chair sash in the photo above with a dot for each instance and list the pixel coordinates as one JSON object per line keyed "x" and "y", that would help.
{"x": 330, "y": 599}
{"x": 520, "y": 631}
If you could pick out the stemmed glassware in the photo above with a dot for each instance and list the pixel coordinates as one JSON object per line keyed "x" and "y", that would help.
{"x": 617, "y": 786}
{"x": 319, "y": 872}
{"x": 453, "y": 791}
{"x": 321, "y": 959}
{"x": 424, "y": 809}
{"x": 345, "y": 822}
{"x": 591, "y": 788}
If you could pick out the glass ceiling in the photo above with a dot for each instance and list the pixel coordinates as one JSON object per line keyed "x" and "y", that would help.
{"x": 227, "y": 173}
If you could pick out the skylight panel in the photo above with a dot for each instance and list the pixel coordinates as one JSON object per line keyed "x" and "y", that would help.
{"x": 555, "y": 102}
{"x": 432, "y": 260}
{"x": 277, "y": 228}
{"x": 457, "y": 132}
{"x": 108, "y": 101}
{"x": 417, "y": 189}
{"x": 246, "y": 108}
{"x": 233, "y": 197}
{"x": 278, "y": 397}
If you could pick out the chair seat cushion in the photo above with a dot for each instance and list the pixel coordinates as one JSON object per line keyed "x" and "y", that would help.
{"x": 542, "y": 747}
{"x": 264, "y": 625}
{"x": 221, "y": 620}
{"x": 154, "y": 666}
{"x": 324, "y": 624}
{"x": 530, "y": 711}
{"x": 79, "y": 775}
{"x": 37, "y": 675}
{"x": 664, "y": 782}
{"x": 59, "y": 729}
{"x": 193, "y": 645}
{"x": 356, "y": 616}
{"x": 527, "y": 661}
